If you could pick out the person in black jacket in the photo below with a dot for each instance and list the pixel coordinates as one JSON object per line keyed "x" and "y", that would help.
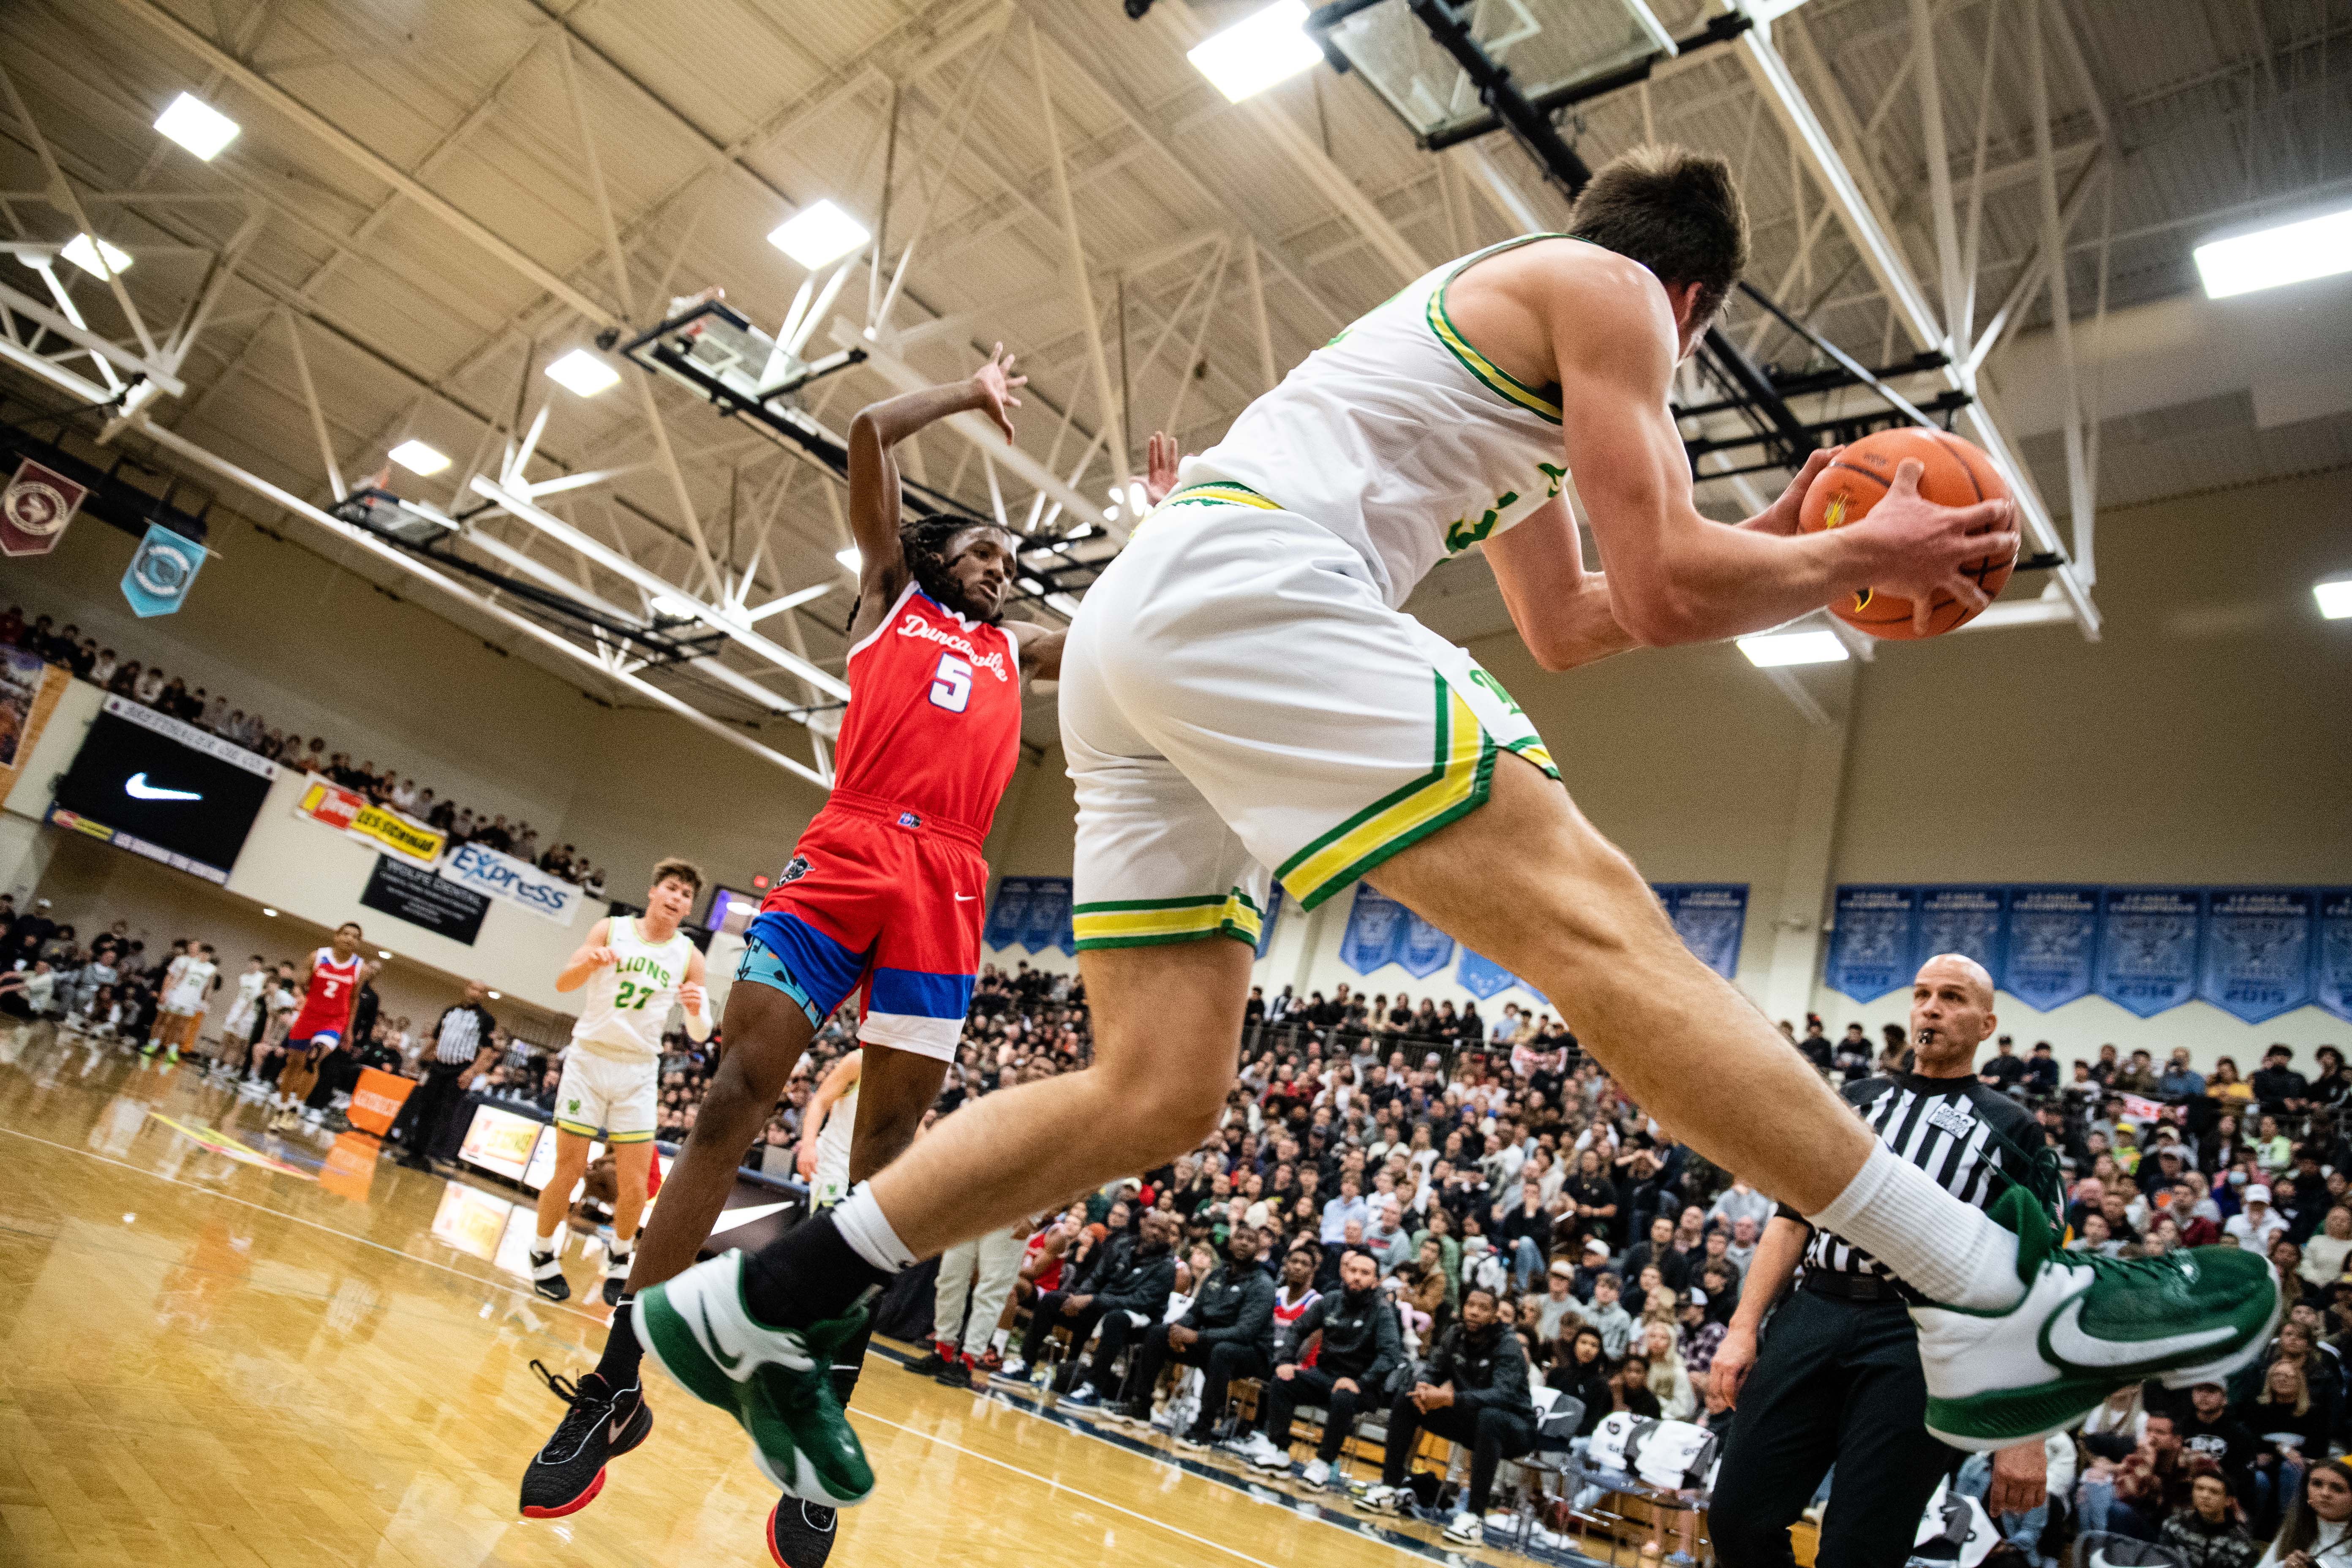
{"x": 1121, "y": 1301}
{"x": 1581, "y": 1372}
{"x": 1228, "y": 1332}
{"x": 1476, "y": 1393}
{"x": 1362, "y": 1348}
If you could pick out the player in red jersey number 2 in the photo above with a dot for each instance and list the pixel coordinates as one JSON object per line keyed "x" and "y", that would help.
{"x": 881, "y": 897}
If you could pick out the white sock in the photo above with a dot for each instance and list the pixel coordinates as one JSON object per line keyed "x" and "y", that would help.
{"x": 862, "y": 1223}
{"x": 546, "y": 1242}
{"x": 1948, "y": 1250}
{"x": 999, "y": 1340}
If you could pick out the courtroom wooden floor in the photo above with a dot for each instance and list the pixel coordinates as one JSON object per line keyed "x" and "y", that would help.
{"x": 206, "y": 1360}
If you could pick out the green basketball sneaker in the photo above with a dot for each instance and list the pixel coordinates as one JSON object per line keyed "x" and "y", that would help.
{"x": 2088, "y": 1325}
{"x": 776, "y": 1383}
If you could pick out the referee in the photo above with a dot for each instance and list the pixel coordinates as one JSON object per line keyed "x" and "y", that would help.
{"x": 1837, "y": 1379}
{"x": 461, "y": 1045}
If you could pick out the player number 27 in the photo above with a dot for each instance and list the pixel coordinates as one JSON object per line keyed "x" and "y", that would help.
{"x": 643, "y": 995}
{"x": 951, "y": 684}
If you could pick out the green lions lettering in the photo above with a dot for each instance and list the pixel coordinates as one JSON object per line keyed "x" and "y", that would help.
{"x": 637, "y": 993}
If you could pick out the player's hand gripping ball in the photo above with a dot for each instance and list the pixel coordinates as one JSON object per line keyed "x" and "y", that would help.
{"x": 1958, "y": 473}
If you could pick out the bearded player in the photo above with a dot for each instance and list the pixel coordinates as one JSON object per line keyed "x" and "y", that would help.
{"x": 1243, "y": 697}
{"x": 881, "y": 898}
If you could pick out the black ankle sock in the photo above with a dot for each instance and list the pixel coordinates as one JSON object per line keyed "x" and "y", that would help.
{"x": 850, "y": 1360}
{"x": 809, "y": 1275}
{"x": 618, "y": 1366}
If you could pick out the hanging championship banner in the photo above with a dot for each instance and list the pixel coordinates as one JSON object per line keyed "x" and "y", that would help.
{"x": 1973, "y": 922}
{"x": 1048, "y": 922}
{"x": 2258, "y": 951}
{"x": 1482, "y": 977}
{"x": 36, "y": 508}
{"x": 2148, "y": 947}
{"x": 1710, "y": 917}
{"x": 1423, "y": 950}
{"x": 331, "y": 806}
{"x": 1265, "y": 926}
{"x": 1871, "y": 948}
{"x": 1375, "y": 931}
{"x": 162, "y": 571}
{"x": 1010, "y": 913}
{"x": 29, "y": 689}
{"x": 2053, "y": 936}
{"x": 2335, "y": 954}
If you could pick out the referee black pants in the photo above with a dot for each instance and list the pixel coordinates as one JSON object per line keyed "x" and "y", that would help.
{"x": 1835, "y": 1382}
{"x": 432, "y": 1100}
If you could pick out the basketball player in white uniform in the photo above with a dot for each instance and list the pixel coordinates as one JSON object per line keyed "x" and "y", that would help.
{"x": 634, "y": 968}
{"x": 824, "y": 1158}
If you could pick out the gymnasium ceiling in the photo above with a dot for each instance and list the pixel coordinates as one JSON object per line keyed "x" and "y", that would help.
{"x": 435, "y": 199}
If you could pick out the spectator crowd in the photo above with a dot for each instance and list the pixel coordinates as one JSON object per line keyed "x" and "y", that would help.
{"x": 387, "y": 787}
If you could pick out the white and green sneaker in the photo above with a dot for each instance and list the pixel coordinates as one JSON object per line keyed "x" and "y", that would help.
{"x": 776, "y": 1383}
{"x": 2088, "y": 1325}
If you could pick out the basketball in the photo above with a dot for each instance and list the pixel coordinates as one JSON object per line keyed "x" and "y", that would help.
{"x": 1958, "y": 473}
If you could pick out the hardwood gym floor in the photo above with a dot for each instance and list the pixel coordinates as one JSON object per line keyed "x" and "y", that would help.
{"x": 206, "y": 1360}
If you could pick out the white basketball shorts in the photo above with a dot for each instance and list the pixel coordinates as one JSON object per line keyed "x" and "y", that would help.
{"x": 1239, "y": 704}
{"x": 607, "y": 1097}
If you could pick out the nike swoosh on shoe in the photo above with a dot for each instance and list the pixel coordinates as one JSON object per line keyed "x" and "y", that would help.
{"x": 2075, "y": 1346}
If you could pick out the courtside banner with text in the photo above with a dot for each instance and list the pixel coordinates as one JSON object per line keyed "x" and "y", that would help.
{"x": 331, "y": 806}
{"x": 2254, "y": 953}
{"x": 29, "y": 689}
{"x": 376, "y": 1099}
{"x": 504, "y": 877}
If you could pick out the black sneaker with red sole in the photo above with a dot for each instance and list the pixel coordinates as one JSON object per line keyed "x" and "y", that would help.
{"x": 602, "y": 1424}
{"x": 800, "y": 1534}
{"x": 931, "y": 1360}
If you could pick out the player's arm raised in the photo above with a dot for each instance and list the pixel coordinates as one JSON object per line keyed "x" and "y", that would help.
{"x": 1674, "y": 575}
{"x": 588, "y": 958}
{"x": 874, "y": 504}
{"x": 1041, "y": 649}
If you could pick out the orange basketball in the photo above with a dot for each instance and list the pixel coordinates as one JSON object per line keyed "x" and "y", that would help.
{"x": 1958, "y": 473}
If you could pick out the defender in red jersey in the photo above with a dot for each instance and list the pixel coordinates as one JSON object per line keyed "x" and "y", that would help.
{"x": 331, "y": 980}
{"x": 881, "y": 897}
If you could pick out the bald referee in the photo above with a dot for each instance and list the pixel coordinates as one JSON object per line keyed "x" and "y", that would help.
{"x": 1837, "y": 1378}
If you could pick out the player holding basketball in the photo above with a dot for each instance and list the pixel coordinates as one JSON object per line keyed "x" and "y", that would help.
{"x": 882, "y": 898}
{"x": 1241, "y": 692}
{"x": 330, "y": 981}
{"x": 635, "y": 969}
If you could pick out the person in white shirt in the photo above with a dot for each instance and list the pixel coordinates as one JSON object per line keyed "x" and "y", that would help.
{"x": 187, "y": 990}
{"x": 2318, "y": 1530}
{"x": 2323, "y": 1255}
{"x": 241, "y": 1027}
{"x": 2259, "y": 1225}
{"x": 1739, "y": 1201}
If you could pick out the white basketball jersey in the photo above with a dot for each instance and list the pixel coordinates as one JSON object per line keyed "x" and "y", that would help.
{"x": 1400, "y": 438}
{"x": 627, "y": 1002}
{"x": 831, "y": 1184}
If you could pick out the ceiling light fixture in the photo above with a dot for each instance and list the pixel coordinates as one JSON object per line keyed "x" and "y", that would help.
{"x": 1777, "y": 648}
{"x": 2334, "y": 598}
{"x": 78, "y": 251}
{"x": 197, "y": 126}
{"x": 2285, "y": 253}
{"x": 1256, "y": 52}
{"x": 819, "y": 233}
{"x": 417, "y": 458}
{"x": 582, "y": 373}
{"x": 268, "y": 913}
{"x": 850, "y": 560}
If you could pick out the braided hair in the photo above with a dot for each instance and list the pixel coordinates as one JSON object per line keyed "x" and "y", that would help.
{"x": 924, "y": 541}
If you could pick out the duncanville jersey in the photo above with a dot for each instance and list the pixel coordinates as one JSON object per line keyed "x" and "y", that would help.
{"x": 1398, "y": 437}
{"x": 627, "y": 1002}
{"x": 327, "y": 1004}
{"x": 1972, "y": 1138}
{"x": 934, "y": 721}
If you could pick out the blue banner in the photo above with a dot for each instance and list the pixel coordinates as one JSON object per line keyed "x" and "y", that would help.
{"x": 2148, "y": 947}
{"x": 1482, "y": 977}
{"x": 2334, "y": 951}
{"x": 1425, "y": 949}
{"x": 1008, "y": 914}
{"x": 162, "y": 571}
{"x": 1375, "y": 933}
{"x": 1973, "y": 922}
{"x": 1710, "y": 917}
{"x": 1265, "y": 926}
{"x": 1048, "y": 923}
{"x": 2259, "y": 950}
{"x": 2052, "y": 940}
{"x": 1871, "y": 948}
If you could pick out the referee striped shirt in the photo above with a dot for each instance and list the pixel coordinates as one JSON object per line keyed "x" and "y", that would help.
{"x": 460, "y": 1033}
{"x": 1972, "y": 1138}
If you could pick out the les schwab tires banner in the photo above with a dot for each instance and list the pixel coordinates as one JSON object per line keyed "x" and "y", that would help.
{"x": 331, "y": 806}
